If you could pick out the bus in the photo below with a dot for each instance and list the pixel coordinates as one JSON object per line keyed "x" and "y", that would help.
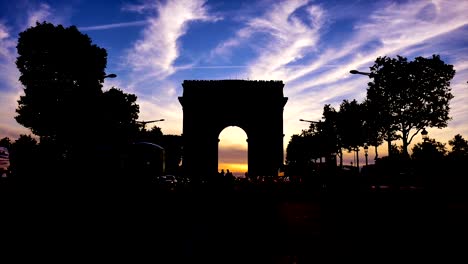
{"x": 143, "y": 162}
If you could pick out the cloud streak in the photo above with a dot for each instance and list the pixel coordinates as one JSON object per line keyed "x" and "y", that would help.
{"x": 393, "y": 29}
{"x": 114, "y": 25}
{"x": 11, "y": 88}
{"x": 285, "y": 37}
{"x": 158, "y": 48}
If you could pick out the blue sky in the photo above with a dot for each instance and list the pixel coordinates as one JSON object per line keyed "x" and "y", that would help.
{"x": 310, "y": 45}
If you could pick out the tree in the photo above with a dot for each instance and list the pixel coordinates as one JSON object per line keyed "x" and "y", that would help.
{"x": 430, "y": 150}
{"x": 409, "y": 96}
{"x": 24, "y": 158}
{"x": 62, "y": 74}
{"x": 350, "y": 125}
{"x": 459, "y": 147}
{"x": 298, "y": 154}
{"x": 330, "y": 133}
{"x": 5, "y": 142}
{"x": 118, "y": 114}
{"x": 374, "y": 134}
{"x": 154, "y": 135}
{"x": 455, "y": 165}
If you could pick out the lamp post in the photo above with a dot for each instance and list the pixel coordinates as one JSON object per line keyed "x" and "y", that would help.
{"x": 388, "y": 137}
{"x": 366, "y": 152}
{"x": 112, "y": 75}
{"x": 359, "y": 72}
{"x": 309, "y": 121}
{"x": 147, "y": 122}
{"x": 424, "y": 135}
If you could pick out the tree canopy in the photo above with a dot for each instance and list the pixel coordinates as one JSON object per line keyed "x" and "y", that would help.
{"x": 409, "y": 96}
{"x": 62, "y": 72}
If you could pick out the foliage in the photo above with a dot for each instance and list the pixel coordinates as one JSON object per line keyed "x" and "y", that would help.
{"x": 154, "y": 135}
{"x": 374, "y": 135}
{"x": 5, "y": 142}
{"x": 410, "y": 95}
{"x": 297, "y": 151}
{"x": 24, "y": 156}
{"x": 62, "y": 72}
{"x": 350, "y": 124}
{"x": 118, "y": 113}
{"x": 459, "y": 147}
{"x": 430, "y": 150}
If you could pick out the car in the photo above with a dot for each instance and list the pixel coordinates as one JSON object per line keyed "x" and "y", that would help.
{"x": 165, "y": 181}
{"x": 4, "y": 162}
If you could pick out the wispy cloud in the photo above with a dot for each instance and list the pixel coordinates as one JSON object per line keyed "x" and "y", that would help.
{"x": 10, "y": 87}
{"x": 114, "y": 25}
{"x": 43, "y": 12}
{"x": 406, "y": 29}
{"x": 292, "y": 38}
{"x": 158, "y": 48}
{"x": 396, "y": 29}
{"x": 38, "y": 14}
{"x": 287, "y": 37}
{"x": 8, "y": 72}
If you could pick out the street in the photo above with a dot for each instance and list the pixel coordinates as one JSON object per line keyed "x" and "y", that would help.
{"x": 220, "y": 226}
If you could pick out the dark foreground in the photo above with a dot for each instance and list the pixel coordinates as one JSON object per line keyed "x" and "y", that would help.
{"x": 136, "y": 225}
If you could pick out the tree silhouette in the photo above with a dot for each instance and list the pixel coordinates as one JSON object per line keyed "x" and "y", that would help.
{"x": 410, "y": 95}
{"x": 118, "y": 114}
{"x": 459, "y": 147}
{"x": 429, "y": 150}
{"x": 62, "y": 74}
{"x": 154, "y": 135}
{"x": 24, "y": 158}
{"x": 299, "y": 154}
{"x": 5, "y": 142}
{"x": 330, "y": 132}
{"x": 351, "y": 125}
{"x": 374, "y": 134}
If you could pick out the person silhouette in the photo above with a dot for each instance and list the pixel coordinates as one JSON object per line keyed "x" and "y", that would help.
{"x": 229, "y": 175}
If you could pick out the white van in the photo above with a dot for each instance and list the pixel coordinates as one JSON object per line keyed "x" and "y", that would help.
{"x": 4, "y": 162}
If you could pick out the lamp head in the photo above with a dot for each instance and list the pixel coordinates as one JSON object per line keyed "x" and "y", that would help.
{"x": 424, "y": 134}
{"x": 112, "y": 75}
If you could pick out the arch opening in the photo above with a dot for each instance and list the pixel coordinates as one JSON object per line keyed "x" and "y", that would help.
{"x": 232, "y": 151}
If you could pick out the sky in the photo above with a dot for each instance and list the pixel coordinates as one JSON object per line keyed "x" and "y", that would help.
{"x": 153, "y": 46}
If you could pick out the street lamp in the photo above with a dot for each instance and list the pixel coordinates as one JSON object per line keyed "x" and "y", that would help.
{"x": 366, "y": 151}
{"x": 388, "y": 139}
{"x": 359, "y": 72}
{"x": 303, "y": 120}
{"x": 310, "y": 121}
{"x": 318, "y": 123}
{"x": 112, "y": 75}
{"x": 424, "y": 135}
{"x": 147, "y": 122}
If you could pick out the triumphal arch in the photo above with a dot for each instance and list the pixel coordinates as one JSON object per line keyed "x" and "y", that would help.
{"x": 209, "y": 106}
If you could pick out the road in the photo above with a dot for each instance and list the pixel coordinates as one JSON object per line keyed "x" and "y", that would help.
{"x": 226, "y": 226}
